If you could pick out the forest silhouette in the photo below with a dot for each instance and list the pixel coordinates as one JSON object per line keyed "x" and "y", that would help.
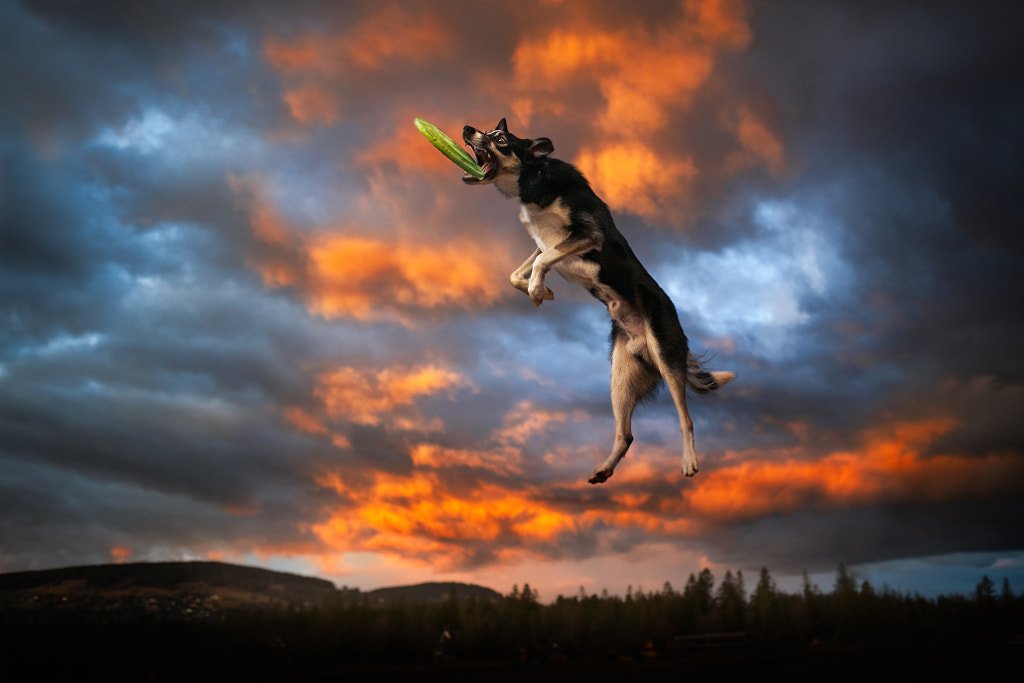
{"x": 709, "y": 623}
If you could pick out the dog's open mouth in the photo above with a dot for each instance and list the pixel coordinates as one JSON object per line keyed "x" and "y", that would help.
{"x": 486, "y": 161}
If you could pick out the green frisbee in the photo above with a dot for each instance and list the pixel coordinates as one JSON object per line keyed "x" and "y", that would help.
{"x": 448, "y": 147}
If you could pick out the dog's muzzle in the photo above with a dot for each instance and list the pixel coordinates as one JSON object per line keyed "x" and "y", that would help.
{"x": 485, "y": 158}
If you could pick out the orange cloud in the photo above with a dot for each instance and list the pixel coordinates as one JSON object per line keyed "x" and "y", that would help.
{"x": 642, "y": 74}
{"x": 759, "y": 146}
{"x": 646, "y": 80}
{"x": 308, "y": 64}
{"x": 424, "y": 518}
{"x": 340, "y": 275}
{"x": 889, "y": 468}
{"x": 307, "y": 52}
{"x": 396, "y": 33}
{"x": 420, "y": 519}
{"x": 373, "y": 397}
{"x": 312, "y": 104}
{"x": 638, "y": 177}
{"x": 720, "y": 22}
{"x": 364, "y": 396}
{"x": 369, "y": 279}
{"x": 524, "y": 421}
{"x": 304, "y": 421}
{"x": 316, "y": 66}
{"x": 504, "y": 461}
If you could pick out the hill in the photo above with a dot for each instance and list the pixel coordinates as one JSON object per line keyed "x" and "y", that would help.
{"x": 199, "y": 589}
{"x": 159, "y": 582}
{"x": 431, "y": 592}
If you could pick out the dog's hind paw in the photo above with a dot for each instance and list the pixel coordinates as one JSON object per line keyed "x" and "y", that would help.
{"x": 600, "y": 476}
{"x": 689, "y": 469}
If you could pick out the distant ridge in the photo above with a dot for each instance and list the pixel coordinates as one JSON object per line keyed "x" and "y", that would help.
{"x": 431, "y": 592}
{"x": 239, "y": 584}
{"x": 230, "y": 585}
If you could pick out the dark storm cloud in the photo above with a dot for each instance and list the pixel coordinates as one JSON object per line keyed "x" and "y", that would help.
{"x": 73, "y": 67}
{"x": 133, "y": 368}
{"x": 814, "y": 542}
{"x": 916, "y": 151}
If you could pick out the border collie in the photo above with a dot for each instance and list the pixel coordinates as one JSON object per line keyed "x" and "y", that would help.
{"x": 575, "y": 235}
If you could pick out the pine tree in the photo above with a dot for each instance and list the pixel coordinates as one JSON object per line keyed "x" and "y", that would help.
{"x": 705, "y": 587}
{"x": 812, "y": 605}
{"x": 844, "y": 600}
{"x": 762, "y": 603}
{"x": 845, "y": 585}
{"x": 731, "y": 602}
{"x": 985, "y": 591}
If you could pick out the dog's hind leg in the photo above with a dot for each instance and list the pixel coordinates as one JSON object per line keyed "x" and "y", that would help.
{"x": 633, "y": 378}
{"x": 673, "y": 371}
{"x": 669, "y": 351}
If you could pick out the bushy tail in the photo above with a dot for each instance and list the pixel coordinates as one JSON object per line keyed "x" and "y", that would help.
{"x": 703, "y": 382}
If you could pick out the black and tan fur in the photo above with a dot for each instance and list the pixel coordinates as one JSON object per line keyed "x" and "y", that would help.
{"x": 575, "y": 235}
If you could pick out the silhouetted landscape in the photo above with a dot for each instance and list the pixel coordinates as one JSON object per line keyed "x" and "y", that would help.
{"x": 213, "y": 621}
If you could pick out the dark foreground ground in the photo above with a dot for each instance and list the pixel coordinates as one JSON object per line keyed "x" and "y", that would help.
{"x": 940, "y": 661}
{"x": 806, "y": 664}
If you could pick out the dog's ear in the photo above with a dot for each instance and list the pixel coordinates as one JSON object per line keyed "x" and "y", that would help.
{"x": 541, "y": 147}
{"x": 502, "y": 126}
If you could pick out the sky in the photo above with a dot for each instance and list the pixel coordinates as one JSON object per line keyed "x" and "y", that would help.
{"x": 248, "y": 314}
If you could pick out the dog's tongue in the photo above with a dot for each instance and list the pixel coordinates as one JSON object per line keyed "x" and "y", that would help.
{"x": 484, "y": 160}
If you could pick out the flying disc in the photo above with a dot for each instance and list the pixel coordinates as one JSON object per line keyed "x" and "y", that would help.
{"x": 451, "y": 149}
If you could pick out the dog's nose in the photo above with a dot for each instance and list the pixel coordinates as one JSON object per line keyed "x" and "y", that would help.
{"x": 468, "y": 132}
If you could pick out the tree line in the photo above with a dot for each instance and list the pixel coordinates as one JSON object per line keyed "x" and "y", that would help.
{"x": 348, "y": 629}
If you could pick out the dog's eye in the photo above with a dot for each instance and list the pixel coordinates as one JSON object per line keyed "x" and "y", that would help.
{"x": 501, "y": 140}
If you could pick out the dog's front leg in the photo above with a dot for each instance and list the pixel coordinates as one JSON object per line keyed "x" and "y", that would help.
{"x": 546, "y": 259}
{"x": 520, "y": 279}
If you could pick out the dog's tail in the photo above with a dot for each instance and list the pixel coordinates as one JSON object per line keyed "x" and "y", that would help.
{"x": 702, "y": 381}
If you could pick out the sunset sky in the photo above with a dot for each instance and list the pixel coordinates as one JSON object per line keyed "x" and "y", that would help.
{"x": 247, "y": 313}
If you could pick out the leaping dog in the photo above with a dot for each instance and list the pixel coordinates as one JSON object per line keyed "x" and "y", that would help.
{"x": 575, "y": 235}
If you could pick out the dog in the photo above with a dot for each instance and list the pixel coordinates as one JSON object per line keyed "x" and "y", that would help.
{"x": 575, "y": 235}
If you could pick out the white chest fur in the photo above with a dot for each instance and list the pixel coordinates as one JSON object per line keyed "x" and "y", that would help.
{"x": 548, "y": 225}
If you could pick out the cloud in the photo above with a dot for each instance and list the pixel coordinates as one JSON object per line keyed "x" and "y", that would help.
{"x": 645, "y": 81}
{"x": 353, "y": 277}
{"x": 427, "y": 516}
{"x": 321, "y": 69}
{"x": 677, "y": 58}
{"x": 524, "y": 421}
{"x": 636, "y": 177}
{"x": 344, "y": 275}
{"x": 369, "y": 397}
{"x": 890, "y": 469}
{"x": 421, "y": 519}
{"x": 503, "y": 461}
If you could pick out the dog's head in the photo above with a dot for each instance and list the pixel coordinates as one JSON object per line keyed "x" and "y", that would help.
{"x": 502, "y": 155}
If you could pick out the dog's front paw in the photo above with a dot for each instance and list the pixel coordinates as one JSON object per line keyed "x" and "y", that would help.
{"x": 540, "y": 295}
{"x": 600, "y": 476}
{"x": 520, "y": 283}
